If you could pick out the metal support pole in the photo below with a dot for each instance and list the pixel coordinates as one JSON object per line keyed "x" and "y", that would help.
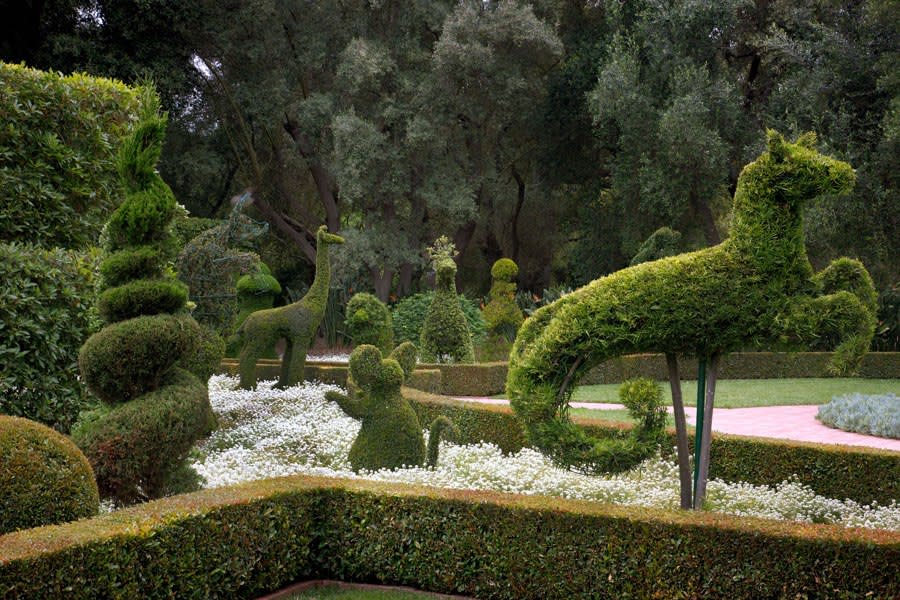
{"x": 698, "y": 426}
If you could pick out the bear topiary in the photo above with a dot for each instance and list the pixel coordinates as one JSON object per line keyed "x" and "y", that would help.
{"x": 445, "y": 333}
{"x": 44, "y": 477}
{"x": 502, "y": 315}
{"x": 255, "y": 291}
{"x": 391, "y": 436}
{"x": 153, "y": 411}
{"x": 368, "y": 321}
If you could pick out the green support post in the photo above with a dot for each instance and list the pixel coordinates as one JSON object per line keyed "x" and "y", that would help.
{"x": 698, "y": 426}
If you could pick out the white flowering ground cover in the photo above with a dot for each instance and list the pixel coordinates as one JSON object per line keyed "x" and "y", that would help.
{"x": 271, "y": 432}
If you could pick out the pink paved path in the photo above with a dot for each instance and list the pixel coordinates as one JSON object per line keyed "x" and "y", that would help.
{"x": 784, "y": 422}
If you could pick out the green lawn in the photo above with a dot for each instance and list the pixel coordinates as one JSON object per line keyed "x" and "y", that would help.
{"x": 333, "y": 592}
{"x": 746, "y": 393}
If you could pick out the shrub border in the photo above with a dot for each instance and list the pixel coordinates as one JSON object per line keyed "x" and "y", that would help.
{"x": 246, "y": 540}
{"x": 858, "y": 473}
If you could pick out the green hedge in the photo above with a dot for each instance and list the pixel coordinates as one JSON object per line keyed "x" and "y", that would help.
{"x": 58, "y": 180}
{"x": 46, "y": 314}
{"x": 861, "y": 474}
{"x": 244, "y": 541}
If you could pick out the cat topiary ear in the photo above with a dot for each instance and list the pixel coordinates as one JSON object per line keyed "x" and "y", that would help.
{"x": 776, "y": 144}
{"x": 405, "y": 355}
{"x": 808, "y": 140}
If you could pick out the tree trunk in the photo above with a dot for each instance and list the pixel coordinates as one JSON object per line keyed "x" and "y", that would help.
{"x": 297, "y": 237}
{"x": 381, "y": 281}
{"x": 703, "y": 473}
{"x": 406, "y": 275}
{"x": 684, "y": 456}
{"x": 325, "y": 186}
{"x": 520, "y": 200}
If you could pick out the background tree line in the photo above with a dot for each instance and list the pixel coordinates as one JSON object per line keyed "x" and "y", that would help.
{"x": 561, "y": 133}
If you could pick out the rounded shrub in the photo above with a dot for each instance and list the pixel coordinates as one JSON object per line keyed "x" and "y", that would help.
{"x": 44, "y": 477}
{"x": 206, "y": 360}
{"x": 368, "y": 321}
{"x": 502, "y": 315}
{"x": 126, "y": 359}
{"x": 141, "y": 297}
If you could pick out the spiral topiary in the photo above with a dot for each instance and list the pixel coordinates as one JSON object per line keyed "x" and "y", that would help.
{"x": 152, "y": 410}
{"x": 502, "y": 315}
{"x": 368, "y": 321}
{"x": 44, "y": 477}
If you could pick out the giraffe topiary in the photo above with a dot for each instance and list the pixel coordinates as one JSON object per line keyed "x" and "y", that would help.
{"x": 756, "y": 289}
{"x": 391, "y": 435}
{"x": 296, "y": 323}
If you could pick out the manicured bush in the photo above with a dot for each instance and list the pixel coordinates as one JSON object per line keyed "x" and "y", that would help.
{"x": 502, "y": 315}
{"x": 408, "y": 316}
{"x": 662, "y": 243}
{"x": 248, "y": 540}
{"x": 255, "y": 291}
{"x": 126, "y": 359}
{"x": 136, "y": 447}
{"x": 58, "y": 179}
{"x": 153, "y": 412}
{"x": 141, "y": 297}
{"x": 368, "y": 321}
{"x": 445, "y": 333}
{"x": 207, "y": 359}
{"x": 44, "y": 477}
{"x": 131, "y": 263}
{"x": 871, "y": 415}
{"x": 45, "y": 316}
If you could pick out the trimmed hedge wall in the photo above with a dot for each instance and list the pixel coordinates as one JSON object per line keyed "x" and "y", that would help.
{"x": 861, "y": 474}
{"x": 243, "y": 541}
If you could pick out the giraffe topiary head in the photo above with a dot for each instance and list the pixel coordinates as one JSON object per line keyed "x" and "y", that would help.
{"x": 323, "y": 237}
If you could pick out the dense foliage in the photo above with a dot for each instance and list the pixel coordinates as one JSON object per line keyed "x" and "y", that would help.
{"x": 44, "y": 477}
{"x": 408, "y": 316}
{"x": 58, "y": 180}
{"x": 445, "y": 333}
{"x": 45, "y": 317}
{"x": 153, "y": 411}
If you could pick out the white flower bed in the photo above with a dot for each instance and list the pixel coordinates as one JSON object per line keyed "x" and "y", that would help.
{"x": 273, "y": 432}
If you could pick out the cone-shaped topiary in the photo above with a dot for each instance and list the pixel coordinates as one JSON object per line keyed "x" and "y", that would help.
{"x": 152, "y": 410}
{"x": 755, "y": 289}
{"x": 502, "y": 315}
{"x": 445, "y": 333}
{"x": 295, "y": 323}
{"x": 368, "y": 321}
{"x": 255, "y": 291}
{"x": 391, "y": 436}
{"x": 44, "y": 477}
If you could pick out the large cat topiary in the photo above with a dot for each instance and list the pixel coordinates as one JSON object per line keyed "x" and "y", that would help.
{"x": 391, "y": 436}
{"x": 44, "y": 477}
{"x": 152, "y": 410}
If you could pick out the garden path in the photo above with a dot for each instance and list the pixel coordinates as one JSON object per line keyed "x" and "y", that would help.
{"x": 781, "y": 422}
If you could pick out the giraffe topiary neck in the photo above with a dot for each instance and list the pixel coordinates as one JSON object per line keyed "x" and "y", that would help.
{"x": 317, "y": 296}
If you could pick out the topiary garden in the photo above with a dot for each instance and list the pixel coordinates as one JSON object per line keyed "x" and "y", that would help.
{"x": 375, "y": 481}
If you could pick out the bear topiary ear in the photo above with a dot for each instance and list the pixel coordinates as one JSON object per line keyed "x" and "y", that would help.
{"x": 405, "y": 355}
{"x": 808, "y": 140}
{"x": 365, "y": 364}
{"x": 776, "y": 145}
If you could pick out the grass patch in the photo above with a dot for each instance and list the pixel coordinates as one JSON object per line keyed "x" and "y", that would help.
{"x": 749, "y": 393}
{"x": 617, "y": 415}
